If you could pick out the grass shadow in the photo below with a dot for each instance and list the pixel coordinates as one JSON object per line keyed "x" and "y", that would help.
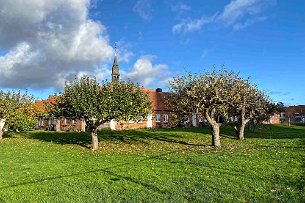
{"x": 83, "y": 139}
{"x": 278, "y": 132}
{"x": 181, "y": 136}
{"x": 145, "y": 135}
{"x": 63, "y": 138}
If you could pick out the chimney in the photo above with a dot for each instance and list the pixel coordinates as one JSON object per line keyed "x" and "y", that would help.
{"x": 158, "y": 90}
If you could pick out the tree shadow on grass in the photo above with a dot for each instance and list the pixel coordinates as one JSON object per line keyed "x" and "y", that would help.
{"x": 83, "y": 139}
{"x": 267, "y": 132}
{"x": 278, "y": 132}
{"x": 144, "y": 136}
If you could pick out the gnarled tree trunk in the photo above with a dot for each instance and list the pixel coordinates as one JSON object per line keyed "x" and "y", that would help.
{"x": 209, "y": 114}
{"x": 215, "y": 135}
{"x": 243, "y": 124}
{"x": 242, "y": 131}
{"x": 94, "y": 139}
{"x": 91, "y": 126}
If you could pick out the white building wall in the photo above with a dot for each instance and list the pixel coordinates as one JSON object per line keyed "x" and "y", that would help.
{"x": 112, "y": 124}
{"x": 149, "y": 121}
{"x": 194, "y": 120}
{"x": 2, "y": 122}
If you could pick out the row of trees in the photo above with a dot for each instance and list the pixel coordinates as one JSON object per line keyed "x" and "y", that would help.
{"x": 212, "y": 94}
{"x": 219, "y": 93}
{"x": 82, "y": 98}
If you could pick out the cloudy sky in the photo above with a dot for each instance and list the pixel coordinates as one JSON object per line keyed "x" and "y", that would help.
{"x": 44, "y": 43}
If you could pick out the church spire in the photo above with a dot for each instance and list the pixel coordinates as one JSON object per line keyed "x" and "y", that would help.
{"x": 115, "y": 75}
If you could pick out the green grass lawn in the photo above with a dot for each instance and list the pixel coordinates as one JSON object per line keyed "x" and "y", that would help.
{"x": 162, "y": 165}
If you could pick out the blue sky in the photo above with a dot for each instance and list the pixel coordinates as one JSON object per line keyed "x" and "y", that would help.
{"x": 157, "y": 39}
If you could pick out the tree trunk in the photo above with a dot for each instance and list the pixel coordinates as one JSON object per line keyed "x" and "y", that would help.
{"x": 94, "y": 139}
{"x": 215, "y": 127}
{"x": 1, "y": 133}
{"x": 242, "y": 131}
{"x": 243, "y": 124}
{"x": 215, "y": 135}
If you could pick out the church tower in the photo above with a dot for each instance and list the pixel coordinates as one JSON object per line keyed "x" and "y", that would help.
{"x": 115, "y": 75}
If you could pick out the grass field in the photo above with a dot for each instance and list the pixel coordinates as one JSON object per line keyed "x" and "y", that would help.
{"x": 164, "y": 165}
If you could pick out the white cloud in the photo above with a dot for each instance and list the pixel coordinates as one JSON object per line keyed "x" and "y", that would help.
{"x": 189, "y": 25}
{"x": 144, "y": 9}
{"x": 237, "y": 14}
{"x": 178, "y": 7}
{"x": 123, "y": 49}
{"x": 248, "y": 22}
{"x": 48, "y": 42}
{"x": 147, "y": 74}
{"x": 100, "y": 73}
{"x": 240, "y": 13}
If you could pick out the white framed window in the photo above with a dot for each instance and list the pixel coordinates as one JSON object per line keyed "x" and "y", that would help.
{"x": 165, "y": 118}
{"x": 158, "y": 118}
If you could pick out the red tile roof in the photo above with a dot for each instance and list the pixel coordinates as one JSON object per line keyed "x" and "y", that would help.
{"x": 157, "y": 99}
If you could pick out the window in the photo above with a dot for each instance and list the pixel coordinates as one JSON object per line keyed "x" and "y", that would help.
{"x": 41, "y": 122}
{"x": 157, "y": 118}
{"x": 165, "y": 118}
{"x": 141, "y": 119}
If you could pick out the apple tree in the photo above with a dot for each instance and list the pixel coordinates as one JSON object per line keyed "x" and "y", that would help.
{"x": 85, "y": 99}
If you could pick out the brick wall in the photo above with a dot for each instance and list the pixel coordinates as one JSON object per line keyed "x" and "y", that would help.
{"x": 61, "y": 124}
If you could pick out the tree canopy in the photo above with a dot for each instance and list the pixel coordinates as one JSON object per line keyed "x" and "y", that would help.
{"x": 97, "y": 103}
{"x": 205, "y": 93}
{"x": 218, "y": 93}
{"x": 17, "y": 111}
